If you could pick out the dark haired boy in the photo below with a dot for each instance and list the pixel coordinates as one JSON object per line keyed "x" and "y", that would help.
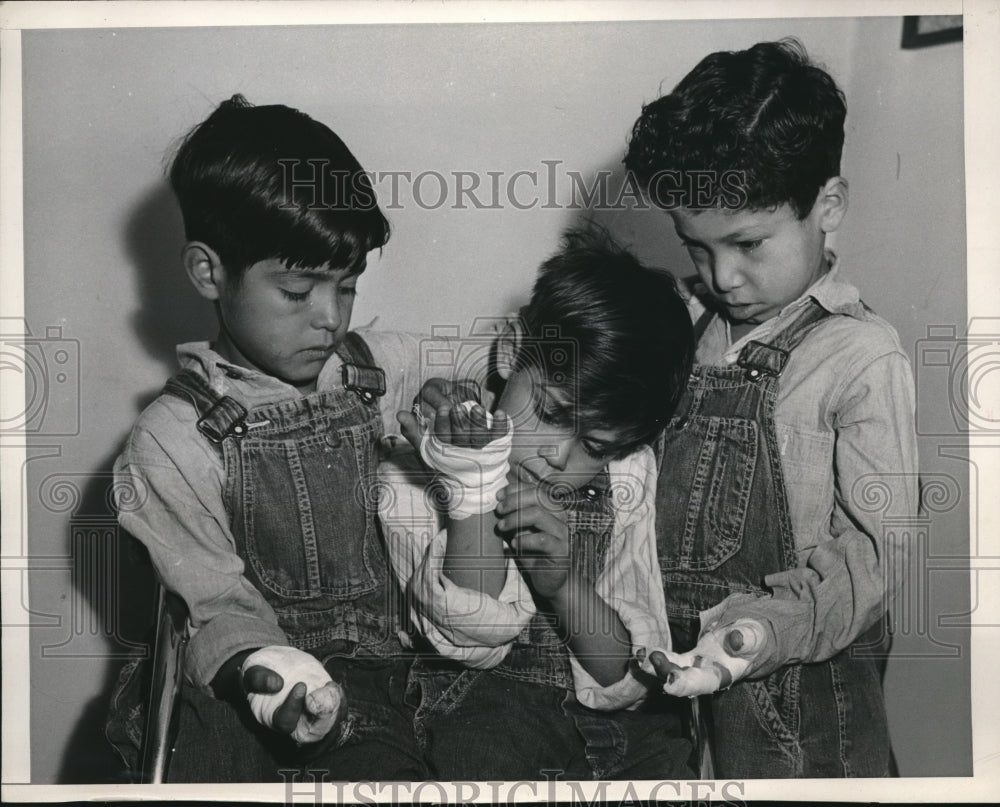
{"x": 777, "y": 572}
{"x": 250, "y": 463}
{"x": 534, "y": 604}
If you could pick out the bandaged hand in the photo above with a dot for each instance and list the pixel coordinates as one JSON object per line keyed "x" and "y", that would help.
{"x": 324, "y": 701}
{"x": 472, "y": 477}
{"x": 466, "y": 445}
{"x": 722, "y": 656}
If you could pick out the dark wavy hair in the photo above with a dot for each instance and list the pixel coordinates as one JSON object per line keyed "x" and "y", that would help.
{"x": 262, "y": 182}
{"x": 612, "y": 332}
{"x": 757, "y": 128}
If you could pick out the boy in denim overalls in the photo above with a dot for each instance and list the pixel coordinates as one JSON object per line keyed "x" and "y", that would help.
{"x": 539, "y": 577}
{"x": 250, "y": 465}
{"x": 775, "y": 565}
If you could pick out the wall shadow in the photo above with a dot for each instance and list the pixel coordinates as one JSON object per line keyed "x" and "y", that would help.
{"x": 170, "y": 310}
{"x": 113, "y": 581}
{"x": 114, "y": 590}
{"x": 645, "y": 230}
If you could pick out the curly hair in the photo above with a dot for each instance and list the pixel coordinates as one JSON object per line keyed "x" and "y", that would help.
{"x": 749, "y": 129}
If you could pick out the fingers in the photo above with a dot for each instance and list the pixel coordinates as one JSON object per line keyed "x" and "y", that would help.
{"x": 664, "y": 668}
{"x": 410, "y": 428}
{"x": 538, "y": 518}
{"x": 466, "y": 389}
{"x": 436, "y": 392}
{"x": 262, "y": 681}
{"x": 442, "y": 422}
{"x": 517, "y": 496}
{"x": 466, "y": 427}
{"x": 500, "y": 426}
{"x": 433, "y": 394}
{"x": 286, "y": 717}
{"x": 744, "y": 638}
{"x": 481, "y": 432}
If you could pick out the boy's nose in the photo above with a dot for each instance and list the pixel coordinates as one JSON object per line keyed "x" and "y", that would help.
{"x": 726, "y": 274}
{"x": 556, "y": 454}
{"x": 326, "y": 312}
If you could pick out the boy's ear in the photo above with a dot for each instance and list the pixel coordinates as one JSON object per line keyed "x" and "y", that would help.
{"x": 203, "y": 268}
{"x": 832, "y": 201}
{"x": 508, "y": 343}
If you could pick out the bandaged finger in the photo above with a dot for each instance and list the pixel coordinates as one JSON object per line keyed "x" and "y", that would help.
{"x": 721, "y": 657}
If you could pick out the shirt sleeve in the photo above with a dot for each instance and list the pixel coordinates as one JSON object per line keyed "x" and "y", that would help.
{"x": 462, "y": 624}
{"x": 410, "y": 359}
{"x": 170, "y": 498}
{"x": 630, "y": 583}
{"x": 847, "y": 582}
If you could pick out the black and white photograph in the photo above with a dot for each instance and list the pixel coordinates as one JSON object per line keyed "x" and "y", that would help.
{"x": 496, "y": 402}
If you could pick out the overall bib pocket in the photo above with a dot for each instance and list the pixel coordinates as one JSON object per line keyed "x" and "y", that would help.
{"x": 722, "y": 455}
{"x": 317, "y": 553}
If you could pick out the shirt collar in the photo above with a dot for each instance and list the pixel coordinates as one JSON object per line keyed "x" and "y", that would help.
{"x": 250, "y": 387}
{"x": 835, "y": 295}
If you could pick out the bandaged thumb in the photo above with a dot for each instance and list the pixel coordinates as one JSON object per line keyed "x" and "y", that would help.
{"x": 323, "y": 697}
{"x": 472, "y": 477}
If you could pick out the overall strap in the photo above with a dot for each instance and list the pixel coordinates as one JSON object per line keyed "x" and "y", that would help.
{"x": 355, "y": 349}
{"x": 701, "y": 324}
{"x": 360, "y": 374}
{"x": 219, "y": 416}
{"x": 769, "y": 359}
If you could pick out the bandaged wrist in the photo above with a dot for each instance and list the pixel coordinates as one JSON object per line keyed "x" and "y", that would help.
{"x": 323, "y": 696}
{"x": 472, "y": 477}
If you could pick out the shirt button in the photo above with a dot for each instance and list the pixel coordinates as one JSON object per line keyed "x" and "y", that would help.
{"x": 753, "y": 374}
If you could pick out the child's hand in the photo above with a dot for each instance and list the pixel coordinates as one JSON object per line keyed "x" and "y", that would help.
{"x": 539, "y": 532}
{"x": 721, "y": 657}
{"x": 439, "y": 407}
{"x": 289, "y": 691}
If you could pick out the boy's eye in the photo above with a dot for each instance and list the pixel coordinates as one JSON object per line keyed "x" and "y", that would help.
{"x": 548, "y": 417}
{"x": 295, "y": 296}
{"x": 597, "y": 451}
{"x": 349, "y": 291}
{"x": 750, "y": 246}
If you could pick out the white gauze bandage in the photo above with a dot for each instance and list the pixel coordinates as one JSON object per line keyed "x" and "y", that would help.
{"x": 323, "y": 696}
{"x": 721, "y": 657}
{"x": 471, "y": 476}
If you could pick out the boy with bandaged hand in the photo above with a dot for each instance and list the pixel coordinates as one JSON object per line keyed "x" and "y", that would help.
{"x": 253, "y": 467}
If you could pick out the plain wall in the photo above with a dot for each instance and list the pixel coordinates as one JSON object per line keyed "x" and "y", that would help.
{"x": 102, "y": 241}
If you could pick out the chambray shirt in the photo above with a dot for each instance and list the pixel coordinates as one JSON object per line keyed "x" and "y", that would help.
{"x": 179, "y": 513}
{"x": 844, "y": 419}
{"x": 478, "y": 630}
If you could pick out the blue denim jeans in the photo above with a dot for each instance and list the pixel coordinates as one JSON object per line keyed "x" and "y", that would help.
{"x": 806, "y": 720}
{"x": 220, "y": 742}
{"x": 480, "y": 725}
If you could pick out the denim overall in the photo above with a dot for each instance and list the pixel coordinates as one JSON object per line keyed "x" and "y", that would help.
{"x": 520, "y": 720}
{"x": 306, "y": 528}
{"x": 722, "y": 525}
